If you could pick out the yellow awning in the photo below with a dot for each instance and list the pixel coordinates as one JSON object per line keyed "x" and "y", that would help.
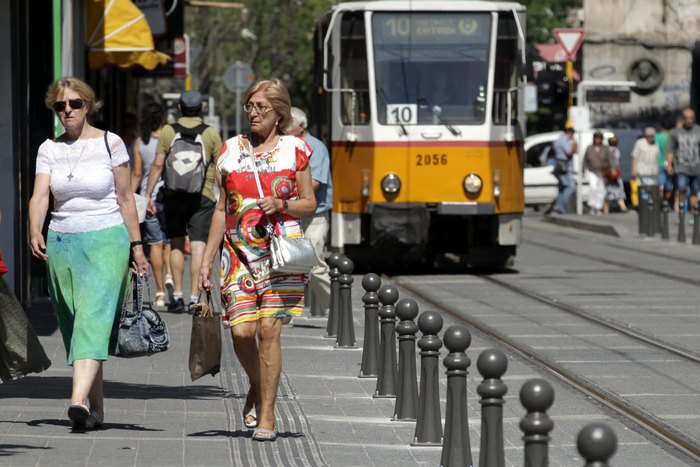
{"x": 118, "y": 34}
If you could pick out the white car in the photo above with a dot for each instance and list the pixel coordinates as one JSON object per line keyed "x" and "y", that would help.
{"x": 541, "y": 186}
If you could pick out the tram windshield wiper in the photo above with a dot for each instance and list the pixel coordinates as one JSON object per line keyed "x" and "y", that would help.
{"x": 436, "y": 113}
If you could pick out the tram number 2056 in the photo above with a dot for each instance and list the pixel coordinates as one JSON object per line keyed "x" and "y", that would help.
{"x": 431, "y": 159}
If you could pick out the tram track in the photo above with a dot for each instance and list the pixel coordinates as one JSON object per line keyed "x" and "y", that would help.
{"x": 618, "y": 404}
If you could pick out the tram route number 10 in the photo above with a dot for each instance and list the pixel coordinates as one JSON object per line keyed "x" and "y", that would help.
{"x": 402, "y": 114}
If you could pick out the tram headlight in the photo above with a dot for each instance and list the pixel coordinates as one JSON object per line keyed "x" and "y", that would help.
{"x": 391, "y": 184}
{"x": 472, "y": 184}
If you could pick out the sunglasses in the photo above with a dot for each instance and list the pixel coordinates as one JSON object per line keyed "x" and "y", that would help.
{"x": 75, "y": 104}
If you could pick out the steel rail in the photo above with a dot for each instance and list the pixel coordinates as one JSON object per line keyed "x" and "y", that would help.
{"x": 658, "y": 428}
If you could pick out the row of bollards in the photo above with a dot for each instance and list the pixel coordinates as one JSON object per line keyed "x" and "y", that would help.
{"x": 419, "y": 400}
{"x": 653, "y": 213}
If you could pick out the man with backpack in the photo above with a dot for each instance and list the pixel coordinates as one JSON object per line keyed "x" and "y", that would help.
{"x": 186, "y": 158}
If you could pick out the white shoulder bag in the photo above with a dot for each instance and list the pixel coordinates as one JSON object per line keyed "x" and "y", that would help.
{"x": 291, "y": 255}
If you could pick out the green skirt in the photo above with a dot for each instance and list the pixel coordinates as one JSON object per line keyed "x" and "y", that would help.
{"x": 88, "y": 275}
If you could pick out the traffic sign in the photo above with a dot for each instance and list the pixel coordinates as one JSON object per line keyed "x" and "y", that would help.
{"x": 570, "y": 40}
{"x": 238, "y": 76}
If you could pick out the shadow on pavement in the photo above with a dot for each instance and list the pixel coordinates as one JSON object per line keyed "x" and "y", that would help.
{"x": 242, "y": 434}
{"x": 14, "y": 449}
{"x": 58, "y": 387}
{"x": 105, "y": 426}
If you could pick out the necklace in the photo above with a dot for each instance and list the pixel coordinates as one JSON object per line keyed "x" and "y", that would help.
{"x": 71, "y": 169}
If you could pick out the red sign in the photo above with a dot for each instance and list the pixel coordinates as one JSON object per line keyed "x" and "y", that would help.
{"x": 180, "y": 55}
{"x": 570, "y": 40}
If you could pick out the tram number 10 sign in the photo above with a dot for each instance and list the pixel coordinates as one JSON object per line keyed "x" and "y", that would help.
{"x": 402, "y": 114}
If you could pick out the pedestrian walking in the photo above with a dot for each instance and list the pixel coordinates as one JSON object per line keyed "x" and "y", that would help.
{"x": 186, "y": 213}
{"x": 645, "y": 159}
{"x": 665, "y": 181}
{"x": 564, "y": 149}
{"x": 596, "y": 162}
{"x": 21, "y": 352}
{"x": 255, "y": 297}
{"x": 152, "y": 121}
{"x": 683, "y": 159}
{"x": 316, "y": 226}
{"x": 87, "y": 246}
{"x": 614, "y": 189}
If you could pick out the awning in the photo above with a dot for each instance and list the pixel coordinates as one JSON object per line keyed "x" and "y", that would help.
{"x": 118, "y": 34}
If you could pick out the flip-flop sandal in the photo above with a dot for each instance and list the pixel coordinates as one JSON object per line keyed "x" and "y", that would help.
{"x": 263, "y": 434}
{"x": 78, "y": 415}
{"x": 250, "y": 412}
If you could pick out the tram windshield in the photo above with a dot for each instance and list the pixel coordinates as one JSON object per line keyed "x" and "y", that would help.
{"x": 431, "y": 68}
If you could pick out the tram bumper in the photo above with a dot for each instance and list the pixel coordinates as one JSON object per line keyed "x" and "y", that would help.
{"x": 399, "y": 231}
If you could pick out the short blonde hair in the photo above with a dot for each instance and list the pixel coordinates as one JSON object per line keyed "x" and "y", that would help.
{"x": 276, "y": 92}
{"x": 81, "y": 87}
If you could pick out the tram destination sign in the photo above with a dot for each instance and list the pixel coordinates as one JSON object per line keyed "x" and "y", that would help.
{"x": 431, "y": 28}
{"x": 610, "y": 96}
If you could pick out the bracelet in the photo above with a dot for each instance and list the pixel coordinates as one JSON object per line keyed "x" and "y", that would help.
{"x": 136, "y": 243}
{"x": 285, "y": 206}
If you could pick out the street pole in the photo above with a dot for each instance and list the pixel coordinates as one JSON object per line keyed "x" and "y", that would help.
{"x": 570, "y": 82}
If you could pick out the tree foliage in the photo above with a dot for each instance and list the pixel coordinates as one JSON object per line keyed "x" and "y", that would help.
{"x": 273, "y": 36}
{"x": 543, "y": 16}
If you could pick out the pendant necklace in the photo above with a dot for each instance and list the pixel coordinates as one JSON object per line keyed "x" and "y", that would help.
{"x": 71, "y": 169}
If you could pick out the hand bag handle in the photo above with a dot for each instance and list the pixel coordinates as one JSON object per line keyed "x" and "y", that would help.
{"x": 270, "y": 226}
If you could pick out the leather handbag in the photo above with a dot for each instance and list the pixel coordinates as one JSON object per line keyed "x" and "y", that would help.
{"x": 294, "y": 255}
{"x": 205, "y": 340}
{"x": 139, "y": 331}
{"x": 561, "y": 167}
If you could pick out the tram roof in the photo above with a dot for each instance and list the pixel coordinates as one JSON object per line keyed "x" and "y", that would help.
{"x": 427, "y": 5}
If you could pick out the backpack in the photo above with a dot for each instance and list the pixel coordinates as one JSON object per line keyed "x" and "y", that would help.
{"x": 185, "y": 163}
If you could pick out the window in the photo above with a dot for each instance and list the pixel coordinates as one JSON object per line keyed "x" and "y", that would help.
{"x": 506, "y": 72}
{"x": 353, "y": 69}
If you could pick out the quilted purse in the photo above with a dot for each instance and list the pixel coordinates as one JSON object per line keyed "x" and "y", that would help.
{"x": 291, "y": 255}
{"x": 139, "y": 331}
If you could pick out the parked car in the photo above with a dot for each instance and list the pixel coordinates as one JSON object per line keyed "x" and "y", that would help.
{"x": 541, "y": 185}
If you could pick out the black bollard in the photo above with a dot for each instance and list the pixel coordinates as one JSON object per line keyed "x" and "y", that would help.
{"x": 536, "y": 395}
{"x": 651, "y": 220}
{"x": 370, "y": 344}
{"x": 696, "y": 227}
{"x": 346, "y": 324}
{"x": 657, "y": 209}
{"x": 642, "y": 210}
{"x": 407, "y": 391}
{"x": 456, "y": 450}
{"x": 315, "y": 308}
{"x": 428, "y": 422}
{"x": 492, "y": 365}
{"x": 386, "y": 379}
{"x": 665, "y": 231}
{"x": 681, "y": 223}
{"x": 596, "y": 443}
{"x": 332, "y": 325}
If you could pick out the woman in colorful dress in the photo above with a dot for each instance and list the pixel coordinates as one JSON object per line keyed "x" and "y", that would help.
{"x": 87, "y": 246}
{"x": 255, "y": 297}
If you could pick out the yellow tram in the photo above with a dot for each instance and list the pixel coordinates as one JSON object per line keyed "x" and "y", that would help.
{"x": 421, "y": 104}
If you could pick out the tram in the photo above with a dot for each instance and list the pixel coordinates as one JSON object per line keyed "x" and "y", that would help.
{"x": 421, "y": 105}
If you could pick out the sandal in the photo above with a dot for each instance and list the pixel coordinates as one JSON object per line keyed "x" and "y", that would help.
{"x": 94, "y": 420}
{"x": 263, "y": 434}
{"x": 169, "y": 286}
{"x": 250, "y": 412}
{"x": 78, "y": 414}
{"x": 160, "y": 299}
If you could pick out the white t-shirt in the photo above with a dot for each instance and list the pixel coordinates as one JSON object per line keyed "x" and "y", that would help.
{"x": 87, "y": 201}
{"x": 647, "y": 156}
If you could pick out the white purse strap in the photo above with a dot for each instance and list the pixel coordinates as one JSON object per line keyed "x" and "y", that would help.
{"x": 255, "y": 166}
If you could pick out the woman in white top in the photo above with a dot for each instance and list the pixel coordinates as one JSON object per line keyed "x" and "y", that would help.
{"x": 152, "y": 120}
{"x": 87, "y": 246}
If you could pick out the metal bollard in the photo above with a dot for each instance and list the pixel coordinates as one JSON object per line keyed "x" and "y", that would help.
{"x": 386, "y": 379}
{"x": 370, "y": 344}
{"x": 315, "y": 307}
{"x": 656, "y": 216}
{"x": 407, "y": 392}
{"x": 456, "y": 450}
{"x": 681, "y": 223}
{"x": 596, "y": 443}
{"x": 428, "y": 422}
{"x": 642, "y": 213}
{"x": 332, "y": 325}
{"x": 346, "y": 324}
{"x": 651, "y": 220}
{"x": 665, "y": 231}
{"x": 492, "y": 365}
{"x": 696, "y": 227}
{"x": 536, "y": 395}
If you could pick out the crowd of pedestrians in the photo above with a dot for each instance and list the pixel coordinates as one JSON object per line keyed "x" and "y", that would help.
{"x": 221, "y": 198}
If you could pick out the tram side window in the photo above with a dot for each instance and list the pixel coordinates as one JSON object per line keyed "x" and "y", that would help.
{"x": 353, "y": 69}
{"x": 506, "y": 72}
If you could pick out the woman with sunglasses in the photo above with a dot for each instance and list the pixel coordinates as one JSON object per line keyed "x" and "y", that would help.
{"x": 93, "y": 229}
{"x": 256, "y": 298}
